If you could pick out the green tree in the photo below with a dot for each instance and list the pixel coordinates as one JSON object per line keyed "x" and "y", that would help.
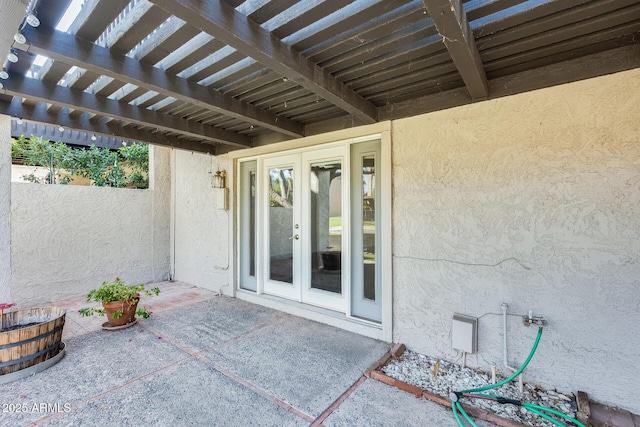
{"x": 104, "y": 167}
{"x": 101, "y": 165}
{"x": 37, "y": 151}
{"x": 137, "y": 160}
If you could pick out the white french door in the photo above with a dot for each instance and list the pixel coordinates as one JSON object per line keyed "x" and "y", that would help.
{"x": 303, "y": 227}
{"x": 324, "y": 254}
{"x": 281, "y": 219}
{"x": 309, "y": 228}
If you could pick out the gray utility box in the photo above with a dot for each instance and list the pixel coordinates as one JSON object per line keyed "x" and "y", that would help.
{"x": 464, "y": 333}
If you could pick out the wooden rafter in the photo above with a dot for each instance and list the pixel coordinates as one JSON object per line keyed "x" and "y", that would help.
{"x": 78, "y": 100}
{"x": 223, "y": 22}
{"x": 451, "y": 22}
{"x": 40, "y": 114}
{"x": 81, "y": 53}
{"x": 609, "y": 61}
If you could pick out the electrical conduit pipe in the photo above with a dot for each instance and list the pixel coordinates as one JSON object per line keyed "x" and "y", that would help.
{"x": 505, "y": 307}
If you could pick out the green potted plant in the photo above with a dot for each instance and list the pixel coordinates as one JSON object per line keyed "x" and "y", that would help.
{"x": 119, "y": 303}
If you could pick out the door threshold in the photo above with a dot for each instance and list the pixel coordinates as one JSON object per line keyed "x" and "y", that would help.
{"x": 318, "y": 314}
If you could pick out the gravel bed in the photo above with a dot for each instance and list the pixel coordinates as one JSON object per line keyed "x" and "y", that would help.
{"x": 418, "y": 369}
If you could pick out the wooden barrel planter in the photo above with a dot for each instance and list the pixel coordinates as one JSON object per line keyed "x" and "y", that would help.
{"x": 29, "y": 338}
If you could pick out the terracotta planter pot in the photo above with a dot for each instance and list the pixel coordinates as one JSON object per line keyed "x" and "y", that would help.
{"x": 128, "y": 308}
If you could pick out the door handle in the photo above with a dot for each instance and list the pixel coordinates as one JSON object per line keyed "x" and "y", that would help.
{"x": 294, "y": 237}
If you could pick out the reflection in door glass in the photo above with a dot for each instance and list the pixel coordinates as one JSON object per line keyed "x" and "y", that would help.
{"x": 281, "y": 224}
{"x": 326, "y": 226}
{"x": 369, "y": 226}
{"x": 252, "y": 223}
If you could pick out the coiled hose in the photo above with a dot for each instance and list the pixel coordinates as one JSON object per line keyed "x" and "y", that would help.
{"x": 456, "y": 407}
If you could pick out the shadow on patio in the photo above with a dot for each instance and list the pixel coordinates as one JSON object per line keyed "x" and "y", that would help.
{"x": 202, "y": 359}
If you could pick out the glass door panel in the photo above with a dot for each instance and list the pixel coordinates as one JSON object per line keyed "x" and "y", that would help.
{"x": 281, "y": 224}
{"x": 282, "y": 249}
{"x": 324, "y": 229}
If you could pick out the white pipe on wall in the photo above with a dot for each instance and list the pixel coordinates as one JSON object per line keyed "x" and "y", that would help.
{"x": 505, "y": 307}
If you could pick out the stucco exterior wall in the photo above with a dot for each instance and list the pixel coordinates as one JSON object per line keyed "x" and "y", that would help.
{"x": 201, "y": 234}
{"x": 68, "y": 239}
{"x": 531, "y": 200}
{"x": 5, "y": 209}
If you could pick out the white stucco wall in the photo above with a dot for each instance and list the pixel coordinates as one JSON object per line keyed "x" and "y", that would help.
{"x": 532, "y": 200}
{"x": 5, "y": 209}
{"x": 201, "y": 234}
{"x": 68, "y": 239}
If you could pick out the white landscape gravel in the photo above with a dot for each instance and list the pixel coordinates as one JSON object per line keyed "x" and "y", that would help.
{"x": 418, "y": 369}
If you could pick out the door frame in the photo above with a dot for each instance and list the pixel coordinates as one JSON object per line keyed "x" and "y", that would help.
{"x": 379, "y": 131}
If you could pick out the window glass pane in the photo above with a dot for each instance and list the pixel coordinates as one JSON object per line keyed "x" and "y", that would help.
{"x": 248, "y": 226}
{"x": 369, "y": 226}
{"x": 326, "y": 226}
{"x": 252, "y": 223}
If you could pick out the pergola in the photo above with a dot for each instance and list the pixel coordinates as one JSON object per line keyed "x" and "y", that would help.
{"x": 218, "y": 75}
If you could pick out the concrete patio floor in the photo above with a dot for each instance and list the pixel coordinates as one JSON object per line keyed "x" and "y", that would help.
{"x": 202, "y": 359}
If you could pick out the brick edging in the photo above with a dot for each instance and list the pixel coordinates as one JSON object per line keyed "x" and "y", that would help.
{"x": 373, "y": 372}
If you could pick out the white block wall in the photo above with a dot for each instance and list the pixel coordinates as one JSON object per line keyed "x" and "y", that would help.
{"x": 68, "y": 239}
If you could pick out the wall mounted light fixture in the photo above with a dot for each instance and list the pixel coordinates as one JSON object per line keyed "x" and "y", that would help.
{"x": 219, "y": 179}
{"x": 218, "y": 182}
{"x": 4, "y": 75}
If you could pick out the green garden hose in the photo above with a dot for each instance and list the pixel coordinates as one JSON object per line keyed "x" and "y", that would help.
{"x": 515, "y": 374}
{"x": 531, "y": 406}
{"x": 464, "y": 413}
{"x": 536, "y": 409}
{"x": 546, "y": 417}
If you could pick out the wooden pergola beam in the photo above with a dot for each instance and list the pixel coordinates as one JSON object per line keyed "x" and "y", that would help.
{"x": 451, "y": 22}
{"x": 229, "y": 26}
{"x": 39, "y": 91}
{"x": 40, "y": 114}
{"x": 70, "y": 50}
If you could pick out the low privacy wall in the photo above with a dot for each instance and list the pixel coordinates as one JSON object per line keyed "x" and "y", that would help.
{"x": 531, "y": 200}
{"x": 66, "y": 240}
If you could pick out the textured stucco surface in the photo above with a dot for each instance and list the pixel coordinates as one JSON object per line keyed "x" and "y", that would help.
{"x": 5, "y": 208}
{"x": 532, "y": 200}
{"x": 68, "y": 239}
{"x": 201, "y": 235}
{"x": 160, "y": 185}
